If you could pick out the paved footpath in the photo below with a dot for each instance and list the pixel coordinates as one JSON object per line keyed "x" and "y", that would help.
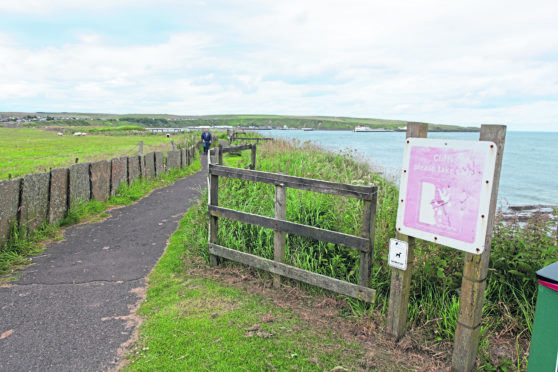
{"x": 71, "y": 309}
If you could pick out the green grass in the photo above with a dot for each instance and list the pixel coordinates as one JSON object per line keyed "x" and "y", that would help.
{"x": 518, "y": 251}
{"x": 194, "y": 323}
{"x": 24, "y": 151}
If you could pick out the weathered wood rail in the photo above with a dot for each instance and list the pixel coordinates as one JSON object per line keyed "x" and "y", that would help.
{"x": 363, "y": 243}
{"x": 258, "y": 139}
{"x": 252, "y": 147}
{"x": 234, "y": 137}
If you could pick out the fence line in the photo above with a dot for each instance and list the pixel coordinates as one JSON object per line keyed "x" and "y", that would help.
{"x": 38, "y": 198}
{"x": 364, "y": 243}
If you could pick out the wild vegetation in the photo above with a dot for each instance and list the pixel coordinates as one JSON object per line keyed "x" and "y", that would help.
{"x": 518, "y": 251}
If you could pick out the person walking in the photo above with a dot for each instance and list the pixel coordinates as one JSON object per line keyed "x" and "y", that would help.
{"x": 206, "y": 139}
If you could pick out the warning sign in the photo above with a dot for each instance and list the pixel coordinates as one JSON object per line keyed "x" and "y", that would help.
{"x": 445, "y": 191}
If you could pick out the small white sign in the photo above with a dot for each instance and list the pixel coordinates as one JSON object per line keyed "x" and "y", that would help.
{"x": 398, "y": 254}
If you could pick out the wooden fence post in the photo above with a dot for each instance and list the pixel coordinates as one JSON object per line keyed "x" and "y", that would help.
{"x": 140, "y": 148}
{"x": 368, "y": 226}
{"x": 279, "y": 237}
{"x": 401, "y": 280}
{"x": 213, "y": 220}
{"x": 253, "y": 157}
{"x": 473, "y": 284}
{"x": 220, "y": 155}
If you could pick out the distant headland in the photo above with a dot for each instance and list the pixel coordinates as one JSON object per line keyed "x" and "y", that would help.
{"x": 255, "y": 122}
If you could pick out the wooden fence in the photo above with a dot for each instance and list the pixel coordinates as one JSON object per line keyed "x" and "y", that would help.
{"x": 363, "y": 243}
{"x": 222, "y": 150}
{"x": 234, "y": 137}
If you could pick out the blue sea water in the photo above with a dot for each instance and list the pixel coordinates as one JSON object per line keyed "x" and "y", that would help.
{"x": 529, "y": 168}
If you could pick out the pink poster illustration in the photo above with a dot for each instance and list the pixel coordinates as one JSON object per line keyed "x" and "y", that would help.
{"x": 445, "y": 192}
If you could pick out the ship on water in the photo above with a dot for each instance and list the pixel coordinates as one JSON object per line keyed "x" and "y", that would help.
{"x": 368, "y": 129}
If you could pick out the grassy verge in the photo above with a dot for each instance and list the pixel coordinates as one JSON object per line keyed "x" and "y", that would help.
{"x": 21, "y": 245}
{"x": 518, "y": 251}
{"x": 196, "y": 323}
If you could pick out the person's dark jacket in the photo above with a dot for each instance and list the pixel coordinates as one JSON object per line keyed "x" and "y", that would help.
{"x": 206, "y": 137}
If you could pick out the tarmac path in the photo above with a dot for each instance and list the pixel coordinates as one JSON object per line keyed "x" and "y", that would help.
{"x": 72, "y": 309}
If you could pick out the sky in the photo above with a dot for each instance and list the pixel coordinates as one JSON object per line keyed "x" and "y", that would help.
{"x": 447, "y": 62}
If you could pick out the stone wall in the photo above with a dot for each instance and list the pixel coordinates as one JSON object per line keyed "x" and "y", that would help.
{"x": 149, "y": 166}
{"x": 58, "y": 203}
{"x": 9, "y": 204}
{"x": 173, "y": 160}
{"x": 159, "y": 164}
{"x": 34, "y": 200}
{"x": 100, "y": 180}
{"x": 119, "y": 173}
{"x": 80, "y": 184}
{"x": 133, "y": 168}
{"x": 47, "y": 197}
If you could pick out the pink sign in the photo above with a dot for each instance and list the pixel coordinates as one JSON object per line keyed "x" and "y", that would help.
{"x": 445, "y": 191}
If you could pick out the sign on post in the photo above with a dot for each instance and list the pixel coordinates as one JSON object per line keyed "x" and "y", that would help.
{"x": 445, "y": 192}
{"x": 398, "y": 254}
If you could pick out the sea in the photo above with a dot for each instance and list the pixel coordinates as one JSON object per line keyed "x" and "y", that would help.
{"x": 529, "y": 168}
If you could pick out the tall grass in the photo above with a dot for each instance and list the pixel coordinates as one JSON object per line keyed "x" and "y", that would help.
{"x": 517, "y": 251}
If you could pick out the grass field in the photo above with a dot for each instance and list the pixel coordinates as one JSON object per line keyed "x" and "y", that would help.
{"x": 24, "y": 151}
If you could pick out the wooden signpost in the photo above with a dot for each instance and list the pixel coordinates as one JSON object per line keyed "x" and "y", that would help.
{"x": 401, "y": 279}
{"x": 476, "y": 268}
{"x": 448, "y": 195}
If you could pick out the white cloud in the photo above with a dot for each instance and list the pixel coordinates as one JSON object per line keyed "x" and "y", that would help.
{"x": 56, "y": 6}
{"x": 437, "y": 61}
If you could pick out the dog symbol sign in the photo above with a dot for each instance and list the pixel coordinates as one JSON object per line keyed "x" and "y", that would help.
{"x": 398, "y": 254}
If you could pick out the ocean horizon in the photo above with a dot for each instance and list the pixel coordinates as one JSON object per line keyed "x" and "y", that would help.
{"x": 529, "y": 171}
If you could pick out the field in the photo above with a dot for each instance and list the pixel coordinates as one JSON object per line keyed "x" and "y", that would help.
{"x": 25, "y": 150}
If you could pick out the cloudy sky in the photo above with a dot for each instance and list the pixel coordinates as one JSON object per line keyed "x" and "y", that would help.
{"x": 450, "y": 62}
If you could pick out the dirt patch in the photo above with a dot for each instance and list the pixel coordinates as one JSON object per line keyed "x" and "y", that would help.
{"x": 132, "y": 321}
{"x": 416, "y": 351}
{"x": 323, "y": 311}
